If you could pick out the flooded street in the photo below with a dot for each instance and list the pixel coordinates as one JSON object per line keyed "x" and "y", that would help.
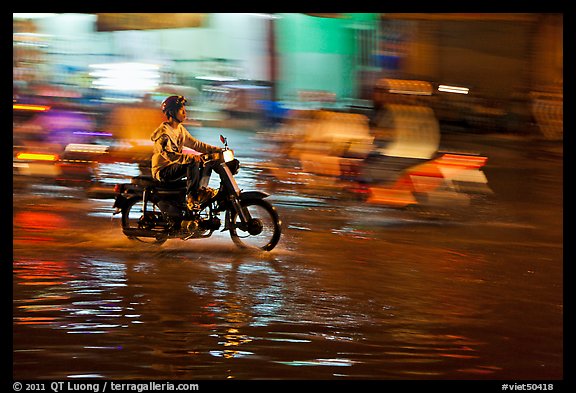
{"x": 352, "y": 291}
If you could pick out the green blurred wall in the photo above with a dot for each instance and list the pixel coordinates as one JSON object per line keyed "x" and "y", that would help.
{"x": 317, "y": 53}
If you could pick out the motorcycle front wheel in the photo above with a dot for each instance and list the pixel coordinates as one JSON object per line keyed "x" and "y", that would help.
{"x": 133, "y": 220}
{"x": 264, "y": 229}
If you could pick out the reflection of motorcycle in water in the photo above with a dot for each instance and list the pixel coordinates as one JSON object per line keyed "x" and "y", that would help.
{"x": 149, "y": 208}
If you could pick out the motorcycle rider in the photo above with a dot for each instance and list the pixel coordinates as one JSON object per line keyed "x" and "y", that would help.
{"x": 169, "y": 163}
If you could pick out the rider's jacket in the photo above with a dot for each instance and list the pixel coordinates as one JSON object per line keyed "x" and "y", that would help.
{"x": 168, "y": 145}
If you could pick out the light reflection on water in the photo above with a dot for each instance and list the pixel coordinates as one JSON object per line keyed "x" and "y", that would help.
{"x": 167, "y": 312}
{"x": 204, "y": 314}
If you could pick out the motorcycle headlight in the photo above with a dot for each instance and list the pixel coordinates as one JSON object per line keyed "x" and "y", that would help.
{"x": 228, "y": 155}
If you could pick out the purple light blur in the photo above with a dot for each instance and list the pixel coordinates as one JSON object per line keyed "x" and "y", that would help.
{"x": 92, "y": 133}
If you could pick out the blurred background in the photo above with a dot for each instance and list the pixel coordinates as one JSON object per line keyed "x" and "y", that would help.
{"x": 87, "y": 87}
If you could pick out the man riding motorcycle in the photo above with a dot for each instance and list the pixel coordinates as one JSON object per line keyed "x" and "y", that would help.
{"x": 169, "y": 162}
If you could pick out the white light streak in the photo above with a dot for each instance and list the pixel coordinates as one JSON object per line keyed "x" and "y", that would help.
{"x": 453, "y": 89}
{"x": 126, "y": 76}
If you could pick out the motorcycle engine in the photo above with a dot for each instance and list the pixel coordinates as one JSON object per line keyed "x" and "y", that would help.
{"x": 189, "y": 225}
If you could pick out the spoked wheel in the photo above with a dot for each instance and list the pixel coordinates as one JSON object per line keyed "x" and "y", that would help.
{"x": 133, "y": 218}
{"x": 264, "y": 229}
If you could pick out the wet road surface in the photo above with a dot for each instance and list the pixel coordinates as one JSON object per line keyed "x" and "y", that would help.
{"x": 351, "y": 292}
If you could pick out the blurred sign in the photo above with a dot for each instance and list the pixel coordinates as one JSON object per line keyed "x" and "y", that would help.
{"x": 135, "y": 21}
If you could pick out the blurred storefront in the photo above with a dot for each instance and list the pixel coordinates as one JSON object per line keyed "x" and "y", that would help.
{"x": 511, "y": 63}
{"x": 135, "y": 60}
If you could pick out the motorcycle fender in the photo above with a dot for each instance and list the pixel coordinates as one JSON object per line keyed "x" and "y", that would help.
{"x": 254, "y": 195}
{"x": 243, "y": 196}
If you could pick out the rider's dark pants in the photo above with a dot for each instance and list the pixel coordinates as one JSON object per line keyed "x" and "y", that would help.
{"x": 177, "y": 171}
{"x": 192, "y": 171}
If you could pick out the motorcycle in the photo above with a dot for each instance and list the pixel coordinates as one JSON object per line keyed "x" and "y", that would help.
{"x": 150, "y": 208}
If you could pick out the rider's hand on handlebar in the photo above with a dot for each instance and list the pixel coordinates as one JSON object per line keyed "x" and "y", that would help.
{"x": 207, "y": 157}
{"x": 197, "y": 157}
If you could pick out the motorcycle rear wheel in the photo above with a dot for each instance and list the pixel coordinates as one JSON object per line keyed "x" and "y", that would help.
{"x": 264, "y": 230}
{"x": 132, "y": 218}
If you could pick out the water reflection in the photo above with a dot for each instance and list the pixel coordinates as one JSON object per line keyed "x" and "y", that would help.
{"x": 352, "y": 294}
{"x": 244, "y": 295}
{"x": 39, "y": 226}
{"x": 42, "y": 280}
{"x": 75, "y": 296}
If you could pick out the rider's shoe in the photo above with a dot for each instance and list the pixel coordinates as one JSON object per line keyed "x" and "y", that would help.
{"x": 205, "y": 194}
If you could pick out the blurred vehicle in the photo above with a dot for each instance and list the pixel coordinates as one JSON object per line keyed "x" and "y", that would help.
{"x": 395, "y": 163}
{"x": 313, "y": 148}
{"x": 35, "y": 164}
{"x": 56, "y": 144}
{"x": 447, "y": 179}
{"x": 406, "y": 167}
{"x": 34, "y": 157}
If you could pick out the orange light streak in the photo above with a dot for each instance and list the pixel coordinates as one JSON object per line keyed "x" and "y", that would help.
{"x": 464, "y": 161}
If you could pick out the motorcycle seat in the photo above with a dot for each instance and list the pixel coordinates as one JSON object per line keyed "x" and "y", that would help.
{"x": 147, "y": 181}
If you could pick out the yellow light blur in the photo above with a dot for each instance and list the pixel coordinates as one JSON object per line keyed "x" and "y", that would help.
{"x": 37, "y": 156}
{"x": 31, "y": 107}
